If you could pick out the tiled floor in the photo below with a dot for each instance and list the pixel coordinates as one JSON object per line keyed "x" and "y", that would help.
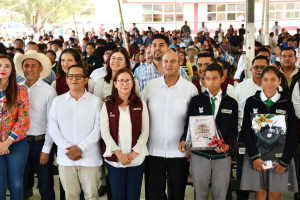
{"x": 189, "y": 194}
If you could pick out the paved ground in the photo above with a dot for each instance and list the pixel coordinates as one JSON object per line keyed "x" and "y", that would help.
{"x": 189, "y": 194}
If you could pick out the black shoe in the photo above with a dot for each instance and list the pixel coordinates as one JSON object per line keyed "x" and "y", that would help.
{"x": 55, "y": 170}
{"x": 102, "y": 191}
{"x": 29, "y": 193}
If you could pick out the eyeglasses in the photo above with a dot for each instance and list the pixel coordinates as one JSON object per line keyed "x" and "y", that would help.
{"x": 128, "y": 81}
{"x": 77, "y": 76}
{"x": 260, "y": 67}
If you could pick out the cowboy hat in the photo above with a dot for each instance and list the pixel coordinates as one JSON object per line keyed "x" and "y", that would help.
{"x": 191, "y": 48}
{"x": 42, "y": 58}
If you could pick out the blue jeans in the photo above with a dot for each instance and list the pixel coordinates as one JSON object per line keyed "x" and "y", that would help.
{"x": 12, "y": 170}
{"x": 44, "y": 172}
{"x": 126, "y": 183}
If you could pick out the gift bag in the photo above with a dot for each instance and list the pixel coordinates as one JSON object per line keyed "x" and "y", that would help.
{"x": 270, "y": 132}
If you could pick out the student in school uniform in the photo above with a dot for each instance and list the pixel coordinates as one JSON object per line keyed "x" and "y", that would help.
{"x": 255, "y": 177}
{"x": 213, "y": 167}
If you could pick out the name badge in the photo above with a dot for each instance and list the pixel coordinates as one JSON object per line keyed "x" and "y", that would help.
{"x": 136, "y": 109}
{"x": 111, "y": 114}
{"x": 226, "y": 111}
{"x": 242, "y": 150}
{"x": 280, "y": 111}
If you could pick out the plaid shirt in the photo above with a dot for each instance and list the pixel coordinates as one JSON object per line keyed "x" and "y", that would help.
{"x": 149, "y": 72}
{"x": 15, "y": 123}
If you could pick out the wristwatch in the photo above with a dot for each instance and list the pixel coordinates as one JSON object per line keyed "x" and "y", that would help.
{"x": 80, "y": 149}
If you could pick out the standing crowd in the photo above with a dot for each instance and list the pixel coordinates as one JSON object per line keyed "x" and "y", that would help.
{"x": 110, "y": 116}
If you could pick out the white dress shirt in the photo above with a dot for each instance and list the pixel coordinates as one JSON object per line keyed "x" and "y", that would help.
{"x": 125, "y": 136}
{"x": 296, "y": 100}
{"x": 98, "y": 74}
{"x": 74, "y": 122}
{"x": 103, "y": 89}
{"x": 40, "y": 96}
{"x": 58, "y": 54}
{"x": 168, "y": 108}
{"x": 231, "y": 92}
{"x": 275, "y": 27}
{"x": 203, "y": 28}
{"x": 91, "y": 85}
{"x": 217, "y": 101}
{"x": 274, "y": 98}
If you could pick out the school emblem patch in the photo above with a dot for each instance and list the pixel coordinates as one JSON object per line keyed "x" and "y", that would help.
{"x": 111, "y": 114}
{"x": 255, "y": 110}
{"x": 200, "y": 110}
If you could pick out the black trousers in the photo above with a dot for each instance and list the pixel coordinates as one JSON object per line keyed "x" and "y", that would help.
{"x": 155, "y": 177}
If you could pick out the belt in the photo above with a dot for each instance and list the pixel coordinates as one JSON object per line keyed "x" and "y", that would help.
{"x": 36, "y": 138}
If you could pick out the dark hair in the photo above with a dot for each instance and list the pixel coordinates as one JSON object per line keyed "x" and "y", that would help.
{"x": 205, "y": 55}
{"x": 143, "y": 45}
{"x": 271, "y": 34}
{"x": 81, "y": 67}
{"x": 160, "y": 36}
{"x": 77, "y": 58}
{"x": 51, "y": 51}
{"x": 19, "y": 40}
{"x": 72, "y": 39}
{"x": 184, "y": 60}
{"x": 226, "y": 65}
{"x": 11, "y": 91}
{"x": 19, "y": 49}
{"x": 73, "y": 31}
{"x": 41, "y": 47}
{"x": 267, "y": 46}
{"x": 215, "y": 67}
{"x": 263, "y": 49}
{"x": 122, "y": 50}
{"x": 58, "y": 42}
{"x": 288, "y": 49}
{"x": 61, "y": 38}
{"x": 86, "y": 39}
{"x": 101, "y": 42}
{"x": 290, "y": 39}
{"x": 137, "y": 52}
{"x": 114, "y": 91}
{"x": 271, "y": 68}
{"x": 280, "y": 46}
{"x": 261, "y": 58}
{"x": 89, "y": 44}
{"x": 3, "y": 51}
{"x": 258, "y": 44}
{"x": 277, "y": 63}
{"x": 35, "y": 44}
{"x": 10, "y": 48}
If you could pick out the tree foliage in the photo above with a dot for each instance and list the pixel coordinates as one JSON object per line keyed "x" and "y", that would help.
{"x": 37, "y": 12}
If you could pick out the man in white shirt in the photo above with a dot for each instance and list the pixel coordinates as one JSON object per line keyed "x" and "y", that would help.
{"x": 74, "y": 125}
{"x": 276, "y": 27}
{"x": 203, "y": 28}
{"x": 219, "y": 30}
{"x": 276, "y": 35}
{"x": 56, "y": 46}
{"x": 34, "y": 67}
{"x": 167, "y": 98}
{"x": 261, "y": 37}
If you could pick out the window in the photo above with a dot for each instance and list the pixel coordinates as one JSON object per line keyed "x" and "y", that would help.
{"x": 162, "y": 13}
{"x": 284, "y": 11}
{"x": 226, "y": 12}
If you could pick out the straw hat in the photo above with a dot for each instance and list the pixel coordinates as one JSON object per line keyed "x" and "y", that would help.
{"x": 42, "y": 58}
{"x": 191, "y": 48}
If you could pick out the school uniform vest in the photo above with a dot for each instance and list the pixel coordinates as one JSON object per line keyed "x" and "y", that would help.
{"x": 113, "y": 117}
{"x": 62, "y": 86}
{"x": 198, "y": 86}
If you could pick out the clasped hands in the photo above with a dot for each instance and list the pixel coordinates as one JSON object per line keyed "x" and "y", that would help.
{"x": 74, "y": 153}
{"x": 125, "y": 159}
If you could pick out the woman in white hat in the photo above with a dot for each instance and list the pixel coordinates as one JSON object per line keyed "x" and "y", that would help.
{"x": 14, "y": 122}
